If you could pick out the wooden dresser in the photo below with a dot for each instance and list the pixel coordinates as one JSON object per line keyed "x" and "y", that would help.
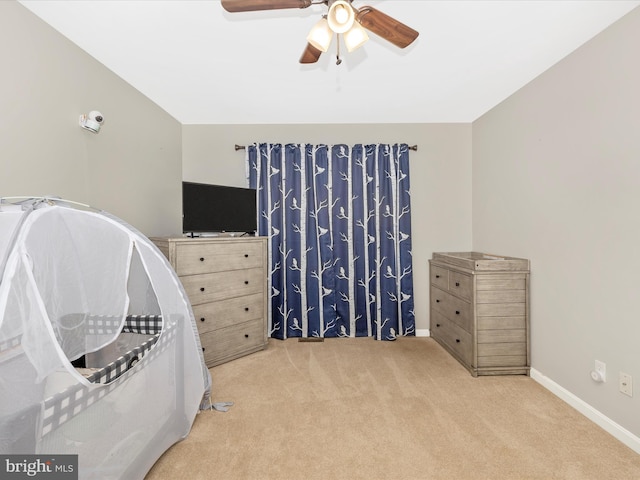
{"x": 480, "y": 310}
{"x": 225, "y": 279}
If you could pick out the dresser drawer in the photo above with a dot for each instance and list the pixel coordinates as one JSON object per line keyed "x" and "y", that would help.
{"x": 197, "y": 258}
{"x": 214, "y": 315}
{"x": 222, "y": 285}
{"x": 460, "y": 285}
{"x": 235, "y": 340}
{"x": 457, "y": 340}
{"x": 439, "y": 300}
{"x": 437, "y": 326}
{"x": 453, "y": 308}
{"x": 460, "y": 342}
{"x": 440, "y": 277}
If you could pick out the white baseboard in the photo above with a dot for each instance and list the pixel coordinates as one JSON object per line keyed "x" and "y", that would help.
{"x": 619, "y": 432}
{"x": 422, "y": 332}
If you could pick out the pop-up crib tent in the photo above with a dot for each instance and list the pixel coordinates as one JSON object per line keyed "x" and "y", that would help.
{"x": 99, "y": 352}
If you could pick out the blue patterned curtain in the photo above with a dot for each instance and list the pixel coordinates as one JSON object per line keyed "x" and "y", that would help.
{"x": 339, "y": 224}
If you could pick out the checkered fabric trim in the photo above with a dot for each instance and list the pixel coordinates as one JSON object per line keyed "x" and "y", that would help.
{"x": 145, "y": 324}
{"x": 102, "y": 325}
{"x": 63, "y": 406}
{"x": 120, "y": 365}
{"x": 10, "y": 343}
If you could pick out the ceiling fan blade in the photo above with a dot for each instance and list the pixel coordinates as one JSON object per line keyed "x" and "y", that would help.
{"x": 253, "y": 5}
{"x": 310, "y": 55}
{"x": 387, "y": 27}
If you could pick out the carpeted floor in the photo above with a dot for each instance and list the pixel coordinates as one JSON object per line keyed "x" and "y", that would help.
{"x": 403, "y": 410}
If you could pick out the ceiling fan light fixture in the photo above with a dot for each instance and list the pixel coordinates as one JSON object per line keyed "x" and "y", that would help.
{"x": 320, "y": 35}
{"x": 355, "y": 37}
{"x": 341, "y": 16}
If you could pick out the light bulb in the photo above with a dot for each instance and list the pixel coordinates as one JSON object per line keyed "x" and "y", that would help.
{"x": 355, "y": 37}
{"x": 320, "y": 35}
{"x": 341, "y": 14}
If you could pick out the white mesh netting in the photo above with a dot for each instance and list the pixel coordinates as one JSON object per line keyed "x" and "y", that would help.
{"x": 81, "y": 286}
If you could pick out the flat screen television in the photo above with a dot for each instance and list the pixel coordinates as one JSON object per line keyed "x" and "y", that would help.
{"x": 217, "y": 208}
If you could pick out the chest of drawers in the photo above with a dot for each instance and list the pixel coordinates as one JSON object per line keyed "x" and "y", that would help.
{"x": 479, "y": 310}
{"x": 225, "y": 280}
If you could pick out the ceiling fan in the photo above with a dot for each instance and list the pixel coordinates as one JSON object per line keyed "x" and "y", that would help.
{"x": 341, "y": 18}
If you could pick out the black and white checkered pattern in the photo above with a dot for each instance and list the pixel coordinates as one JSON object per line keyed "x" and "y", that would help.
{"x": 63, "y": 406}
{"x": 10, "y": 343}
{"x": 121, "y": 364}
{"x": 104, "y": 325}
{"x": 144, "y": 324}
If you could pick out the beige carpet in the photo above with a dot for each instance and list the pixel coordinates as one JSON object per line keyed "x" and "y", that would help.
{"x": 363, "y": 409}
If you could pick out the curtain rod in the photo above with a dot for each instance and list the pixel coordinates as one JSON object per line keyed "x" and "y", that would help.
{"x": 242, "y": 147}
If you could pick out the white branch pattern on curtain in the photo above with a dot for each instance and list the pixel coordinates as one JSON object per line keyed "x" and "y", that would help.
{"x": 338, "y": 220}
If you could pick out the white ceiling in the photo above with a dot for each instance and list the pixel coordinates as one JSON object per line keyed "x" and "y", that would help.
{"x": 206, "y": 66}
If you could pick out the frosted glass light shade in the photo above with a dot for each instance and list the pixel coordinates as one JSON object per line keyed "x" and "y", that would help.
{"x": 355, "y": 37}
{"x": 341, "y": 16}
{"x": 320, "y": 35}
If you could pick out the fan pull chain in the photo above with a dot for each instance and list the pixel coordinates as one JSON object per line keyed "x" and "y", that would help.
{"x": 338, "y": 59}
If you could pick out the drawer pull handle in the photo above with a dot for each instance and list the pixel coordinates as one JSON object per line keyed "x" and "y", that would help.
{"x": 202, "y": 319}
{"x": 202, "y": 289}
{"x": 437, "y": 276}
{"x": 246, "y": 255}
{"x": 202, "y": 259}
{"x": 437, "y": 301}
{"x": 457, "y": 340}
{"x": 246, "y": 309}
{"x": 457, "y": 312}
{"x": 437, "y": 325}
{"x": 246, "y": 335}
{"x": 203, "y": 349}
{"x": 246, "y": 282}
{"x": 457, "y": 284}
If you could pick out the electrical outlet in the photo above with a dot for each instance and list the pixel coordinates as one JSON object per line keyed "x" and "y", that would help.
{"x": 626, "y": 384}
{"x": 601, "y": 368}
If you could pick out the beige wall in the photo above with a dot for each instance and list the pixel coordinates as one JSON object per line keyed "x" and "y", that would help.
{"x": 131, "y": 169}
{"x": 556, "y": 178}
{"x": 440, "y": 176}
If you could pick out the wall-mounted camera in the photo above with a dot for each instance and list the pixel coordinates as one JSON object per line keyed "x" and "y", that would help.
{"x": 92, "y": 121}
